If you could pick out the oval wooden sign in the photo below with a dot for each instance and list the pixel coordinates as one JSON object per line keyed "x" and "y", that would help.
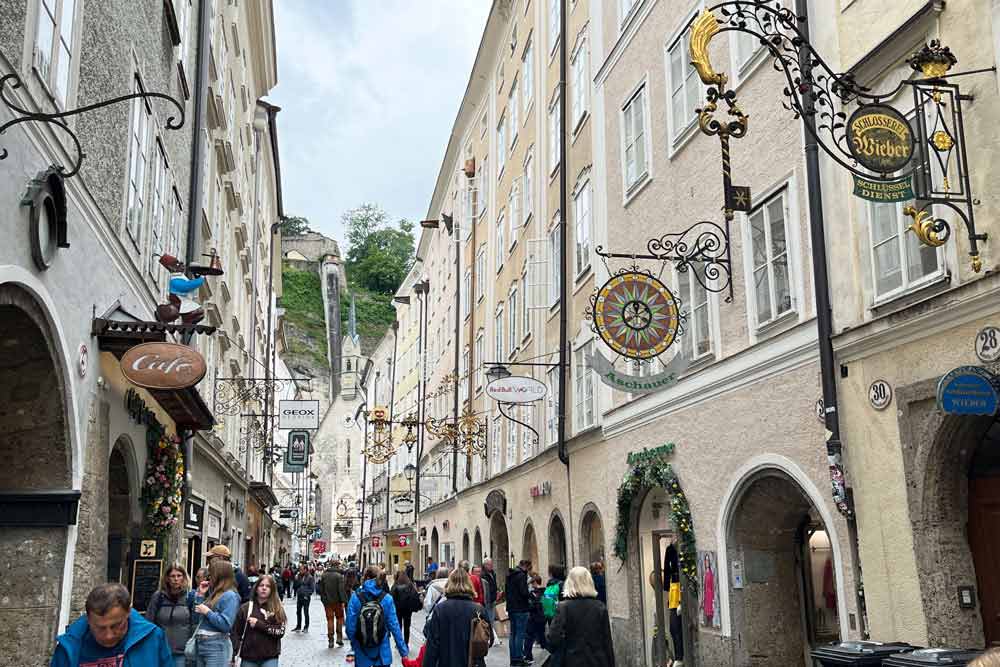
{"x": 163, "y": 366}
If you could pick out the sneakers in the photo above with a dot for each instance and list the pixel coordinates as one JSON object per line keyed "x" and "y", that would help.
{"x": 329, "y": 643}
{"x": 340, "y": 642}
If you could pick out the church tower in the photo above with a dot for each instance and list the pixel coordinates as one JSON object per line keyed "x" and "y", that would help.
{"x": 351, "y": 361}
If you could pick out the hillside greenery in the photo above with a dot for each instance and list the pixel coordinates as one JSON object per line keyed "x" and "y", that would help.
{"x": 374, "y": 312}
{"x": 302, "y": 300}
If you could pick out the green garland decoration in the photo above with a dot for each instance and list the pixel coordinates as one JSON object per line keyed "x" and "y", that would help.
{"x": 163, "y": 485}
{"x": 648, "y": 469}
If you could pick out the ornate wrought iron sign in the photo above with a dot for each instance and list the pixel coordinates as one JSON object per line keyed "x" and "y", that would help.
{"x": 636, "y": 315}
{"x": 880, "y": 138}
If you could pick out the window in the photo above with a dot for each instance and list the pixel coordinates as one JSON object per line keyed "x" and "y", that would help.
{"x": 138, "y": 147}
{"x": 529, "y": 186}
{"x": 555, "y": 130}
{"x": 526, "y": 415}
{"x": 528, "y": 77}
{"x": 501, "y": 248}
{"x": 54, "y": 46}
{"x": 511, "y": 444}
{"x": 471, "y": 205}
{"x": 514, "y": 209}
{"x": 583, "y": 390}
{"x": 464, "y": 376}
{"x": 626, "y": 7}
{"x": 497, "y": 442}
{"x": 512, "y": 108}
{"x": 555, "y": 13}
{"x": 500, "y": 75}
{"x": 899, "y": 261}
{"x": 501, "y": 145}
{"x": 480, "y": 275}
{"x": 552, "y": 406}
{"x": 484, "y": 124}
{"x": 634, "y": 139}
{"x": 158, "y": 213}
{"x": 579, "y": 83}
{"x": 513, "y": 36}
{"x": 484, "y": 186}
{"x": 698, "y": 339}
{"x": 512, "y": 316}
{"x": 498, "y": 351}
{"x": 478, "y": 359}
{"x": 581, "y": 214}
{"x": 768, "y": 242}
{"x": 745, "y": 46}
{"x": 182, "y": 9}
{"x": 555, "y": 271}
{"x": 684, "y": 86}
{"x": 467, "y": 293}
{"x": 525, "y": 312}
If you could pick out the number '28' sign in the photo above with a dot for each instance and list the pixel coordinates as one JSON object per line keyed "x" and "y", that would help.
{"x": 988, "y": 345}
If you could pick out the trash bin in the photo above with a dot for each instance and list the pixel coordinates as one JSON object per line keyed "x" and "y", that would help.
{"x": 925, "y": 657}
{"x": 857, "y": 653}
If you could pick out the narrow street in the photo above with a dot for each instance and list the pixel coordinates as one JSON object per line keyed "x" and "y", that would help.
{"x": 305, "y": 649}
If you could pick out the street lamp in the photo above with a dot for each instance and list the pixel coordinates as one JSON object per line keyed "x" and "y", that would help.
{"x": 409, "y": 472}
{"x": 359, "y": 504}
{"x": 497, "y": 372}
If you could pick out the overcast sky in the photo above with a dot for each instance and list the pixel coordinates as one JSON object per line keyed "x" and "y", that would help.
{"x": 369, "y": 90}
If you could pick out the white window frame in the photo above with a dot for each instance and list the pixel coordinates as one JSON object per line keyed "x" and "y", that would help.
{"x": 479, "y": 359}
{"x": 743, "y": 66}
{"x": 626, "y": 8}
{"x": 513, "y": 106}
{"x": 511, "y": 457}
{"x": 678, "y": 132}
{"x": 501, "y": 249}
{"x": 138, "y": 160}
{"x": 555, "y": 129}
{"x": 525, "y": 311}
{"x": 578, "y": 80}
{"x": 528, "y": 77}
{"x": 583, "y": 198}
{"x": 484, "y": 186}
{"x": 501, "y": 145}
{"x": 552, "y": 406}
{"x": 497, "y": 444}
{"x": 584, "y": 396}
{"x": 57, "y": 78}
{"x": 554, "y": 18}
{"x": 158, "y": 211}
{"x": 694, "y": 297}
{"x": 901, "y": 238}
{"x": 480, "y": 273}
{"x": 498, "y": 326}
{"x": 528, "y": 193}
{"x": 555, "y": 248}
{"x": 467, "y": 293}
{"x": 638, "y": 94}
{"x": 513, "y": 314}
{"x": 514, "y": 220}
{"x": 786, "y": 191}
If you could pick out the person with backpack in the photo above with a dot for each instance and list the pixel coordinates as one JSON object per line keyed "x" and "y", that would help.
{"x": 458, "y": 632}
{"x": 553, "y": 591}
{"x": 305, "y": 586}
{"x": 259, "y": 626}
{"x": 580, "y": 633}
{"x": 170, "y": 608}
{"x": 518, "y": 607}
{"x": 371, "y": 618}
{"x": 536, "y": 619}
{"x": 435, "y": 589}
{"x": 407, "y": 600}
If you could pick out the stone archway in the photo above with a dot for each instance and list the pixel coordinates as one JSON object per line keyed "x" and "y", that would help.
{"x": 499, "y": 545}
{"x": 790, "y": 571}
{"x": 435, "y": 545}
{"x": 477, "y": 546}
{"x": 557, "y": 541}
{"x": 592, "y": 536}
{"x": 529, "y": 548}
{"x": 120, "y": 500}
{"x": 465, "y": 546}
{"x": 36, "y": 449}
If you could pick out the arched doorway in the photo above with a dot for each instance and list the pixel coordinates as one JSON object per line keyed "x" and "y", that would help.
{"x": 37, "y": 456}
{"x": 465, "y": 546}
{"x": 499, "y": 546}
{"x": 477, "y": 545}
{"x": 557, "y": 541}
{"x": 789, "y": 572}
{"x": 119, "y": 511}
{"x": 592, "y": 537}
{"x": 984, "y": 539}
{"x": 530, "y": 549}
{"x": 435, "y": 545}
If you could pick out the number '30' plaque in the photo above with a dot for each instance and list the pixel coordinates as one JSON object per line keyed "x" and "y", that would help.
{"x": 880, "y": 394}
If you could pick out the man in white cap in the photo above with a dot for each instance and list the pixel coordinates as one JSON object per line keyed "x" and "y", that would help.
{"x": 242, "y": 583}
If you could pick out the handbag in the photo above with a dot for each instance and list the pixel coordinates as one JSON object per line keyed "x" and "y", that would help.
{"x": 191, "y": 645}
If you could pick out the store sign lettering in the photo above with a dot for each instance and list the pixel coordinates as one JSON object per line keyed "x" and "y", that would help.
{"x": 163, "y": 366}
{"x": 516, "y": 389}
{"x": 898, "y": 190}
{"x": 880, "y": 138}
{"x": 969, "y": 390}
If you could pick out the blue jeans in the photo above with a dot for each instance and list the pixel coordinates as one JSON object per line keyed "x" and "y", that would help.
{"x": 215, "y": 651}
{"x": 270, "y": 662}
{"x": 518, "y": 627}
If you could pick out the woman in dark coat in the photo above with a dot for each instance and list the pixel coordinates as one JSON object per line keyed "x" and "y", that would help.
{"x": 448, "y": 630}
{"x": 580, "y": 634}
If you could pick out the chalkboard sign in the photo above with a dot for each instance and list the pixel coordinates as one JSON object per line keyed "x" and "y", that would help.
{"x": 146, "y": 576}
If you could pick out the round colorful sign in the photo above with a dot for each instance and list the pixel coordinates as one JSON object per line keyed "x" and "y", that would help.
{"x": 636, "y": 315}
{"x": 880, "y": 138}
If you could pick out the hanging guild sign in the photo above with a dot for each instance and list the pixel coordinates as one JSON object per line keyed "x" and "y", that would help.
{"x": 297, "y": 453}
{"x": 636, "y": 315}
{"x": 892, "y": 191}
{"x": 638, "y": 384}
{"x": 880, "y": 138}
{"x": 163, "y": 366}
{"x": 969, "y": 390}
{"x": 403, "y": 505}
{"x": 516, "y": 389}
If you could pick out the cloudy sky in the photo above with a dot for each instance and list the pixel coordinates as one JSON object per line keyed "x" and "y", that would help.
{"x": 369, "y": 90}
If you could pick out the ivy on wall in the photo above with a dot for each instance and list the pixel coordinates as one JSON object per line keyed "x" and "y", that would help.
{"x": 649, "y": 469}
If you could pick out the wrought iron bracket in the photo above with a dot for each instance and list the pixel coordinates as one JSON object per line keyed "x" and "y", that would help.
{"x": 501, "y": 406}
{"x": 11, "y": 82}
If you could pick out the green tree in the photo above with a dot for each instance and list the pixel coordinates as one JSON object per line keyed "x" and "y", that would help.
{"x": 294, "y": 226}
{"x": 379, "y": 254}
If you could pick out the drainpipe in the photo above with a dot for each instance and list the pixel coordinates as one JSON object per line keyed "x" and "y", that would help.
{"x": 824, "y": 311}
{"x": 563, "y": 240}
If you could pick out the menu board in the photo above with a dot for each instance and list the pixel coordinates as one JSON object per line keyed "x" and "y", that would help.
{"x": 146, "y": 574}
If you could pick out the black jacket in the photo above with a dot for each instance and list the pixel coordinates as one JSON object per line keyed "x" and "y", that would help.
{"x": 407, "y": 599}
{"x": 518, "y": 596}
{"x": 447, "y": 633}
{"x": 489, "y": 579}
{"x": 581, "y": 633}
{"x": 242, "y": 585}
{"x": 331, "y": 588}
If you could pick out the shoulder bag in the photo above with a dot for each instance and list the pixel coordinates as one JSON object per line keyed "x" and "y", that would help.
{"x": 246, "y": 624}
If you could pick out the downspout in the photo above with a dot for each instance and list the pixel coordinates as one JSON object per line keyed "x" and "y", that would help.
{"x": 195, "y": 192}
{"x": 563, "y": 240}
{"x": 458, "y": 336}
{"x": 392, "y": 412}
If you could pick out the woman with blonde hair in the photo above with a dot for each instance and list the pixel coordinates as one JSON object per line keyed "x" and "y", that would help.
{"x": 449, "y": 628}
{"x": 989, "y": 659}
{"x": 170, "y": 609}
{"x": 260, "y": 625}
{"x": 580, "y": 634}
{"x": 216, "y": 604}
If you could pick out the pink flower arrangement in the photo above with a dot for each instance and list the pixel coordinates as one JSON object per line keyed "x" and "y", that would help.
{"x": 162, "y": 491}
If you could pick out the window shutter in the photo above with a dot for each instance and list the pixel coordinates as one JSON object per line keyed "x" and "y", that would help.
{"x": 537, "y": 292}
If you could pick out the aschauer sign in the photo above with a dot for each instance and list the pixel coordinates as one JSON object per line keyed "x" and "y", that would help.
{"x": 163, "y": 366}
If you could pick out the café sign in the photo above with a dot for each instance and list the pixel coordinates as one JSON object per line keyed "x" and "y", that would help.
{"x": 516, "y": 389}
{"x": 969, "y": 390}
{"x": 163, "y": 366}
{"x": 880, "y": 138}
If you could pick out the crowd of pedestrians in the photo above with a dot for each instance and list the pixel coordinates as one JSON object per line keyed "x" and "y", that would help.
{"x": 210, "y": 622}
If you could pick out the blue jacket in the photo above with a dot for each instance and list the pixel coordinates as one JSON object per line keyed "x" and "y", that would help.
{"x": 145, "y": 644}
{"x": 384, "y": 657}
{"x": 223, "y": 614}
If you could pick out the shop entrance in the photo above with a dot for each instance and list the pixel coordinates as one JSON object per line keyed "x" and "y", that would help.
{"x": 499, "y": 546}
{"x": 664, "y": 628}
{"x": 477, "y": 545}
{"x": 788, "y": 602}
{"x": 592, "y": 538}
{"x": 984, "y": 529}
{"x": 119, "y": 511}
{"x": 465, "y": 546}
{"x": 530, "y": 550}
{"x": 557, "y": 541}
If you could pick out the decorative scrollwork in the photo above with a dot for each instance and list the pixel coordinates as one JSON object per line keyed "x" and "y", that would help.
{"x": 234, "y": 394}
{"x": 11, "y": 82}
{"x": 931, "y": 231}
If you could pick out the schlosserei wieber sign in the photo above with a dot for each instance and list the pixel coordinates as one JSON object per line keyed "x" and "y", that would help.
{"x": 638, "y": 384}
{"x": 516, "y": 389}
{"x": 163, "y": 366}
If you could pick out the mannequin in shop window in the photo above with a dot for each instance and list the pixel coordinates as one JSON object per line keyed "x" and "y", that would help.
{"x": 672, "y": 584}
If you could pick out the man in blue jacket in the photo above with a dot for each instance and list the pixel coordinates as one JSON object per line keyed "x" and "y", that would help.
{"x": 381, "y": 656}
{"x": 111, "y": 633}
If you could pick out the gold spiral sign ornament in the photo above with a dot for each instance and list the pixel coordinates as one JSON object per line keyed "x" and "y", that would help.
{"x": 636, "y": 315}
{"x": 880, "y": 138}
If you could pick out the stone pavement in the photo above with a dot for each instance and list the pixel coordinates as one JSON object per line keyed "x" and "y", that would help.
{"x": 301, "y": 649}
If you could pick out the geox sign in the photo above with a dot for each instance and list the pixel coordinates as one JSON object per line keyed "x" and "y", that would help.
{"x": 298, "y": 414}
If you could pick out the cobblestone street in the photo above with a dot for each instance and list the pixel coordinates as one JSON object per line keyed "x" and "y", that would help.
{"x": 301, "y": 649}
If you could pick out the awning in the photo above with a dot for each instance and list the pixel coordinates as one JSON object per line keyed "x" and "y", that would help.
{"x": 263, "y": 494}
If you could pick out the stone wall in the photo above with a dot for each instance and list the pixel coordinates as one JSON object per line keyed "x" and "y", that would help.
{"x": 313, "y": 245}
